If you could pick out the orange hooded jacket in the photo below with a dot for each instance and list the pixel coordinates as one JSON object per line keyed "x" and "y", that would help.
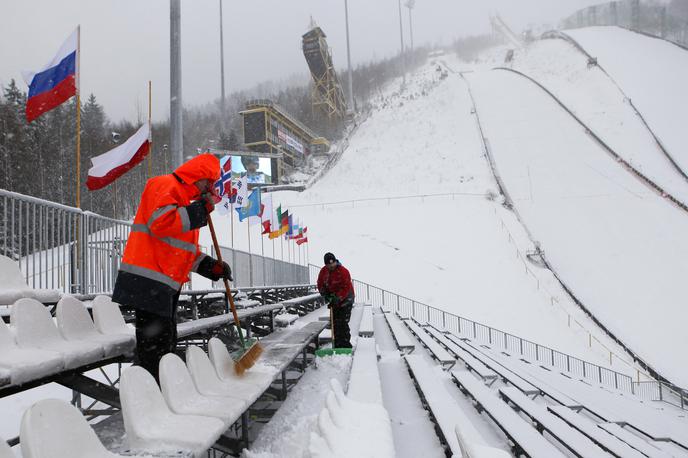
{"x": 163, "y": 244}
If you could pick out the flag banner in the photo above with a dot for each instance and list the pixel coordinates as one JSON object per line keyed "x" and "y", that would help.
{"x": 223, "y": 186}
{"x": 111, "y": 165}
{"x": 302, "y": 241}
{"x": 266, "y": 215}
{"x": 238, "y": 198}
{"x": 252, "y": 207}
{"x": 290, "y": 225}
{"x": 56, "y": 82}
{"x": 224, "y": 207}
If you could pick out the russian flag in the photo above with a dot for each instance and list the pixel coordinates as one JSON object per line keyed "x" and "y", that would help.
{"x": 56, "y": 82}
{"x": 111, "y": 165}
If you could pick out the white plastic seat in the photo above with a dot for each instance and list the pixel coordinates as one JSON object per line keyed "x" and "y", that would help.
{"x": 224, "y": 366}
{"x": 54, "y": 429}
{"x": 75, "y": 323}
{"x": 108, "y": 317}
{"x": 36, "y": 329}
{"x": 209, "y": 384}
{"x": 183, "y": 398}
{"x": 152, "y": 427}
{"x": 14, "y": 286}
{"x": 22, "y": 364}
{"x": 5, "y": 450}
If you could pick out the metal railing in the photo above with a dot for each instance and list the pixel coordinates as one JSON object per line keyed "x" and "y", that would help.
{"x": 464, "y": 327}
{"x": 79, "y": 252}
{"x": 60, "y": 247}
{"x": 254, "y": 269}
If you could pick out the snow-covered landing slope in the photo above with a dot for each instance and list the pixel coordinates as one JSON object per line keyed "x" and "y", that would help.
{"x": 451, "y": 252}
{"x": 620, "y": 247}
{"x": 653, "y": 73}
{"x": 594, "y": 98}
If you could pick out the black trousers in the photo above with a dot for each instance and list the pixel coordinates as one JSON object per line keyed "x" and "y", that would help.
{"x": 156, "y": 335}
{"x": 341, "y": 315}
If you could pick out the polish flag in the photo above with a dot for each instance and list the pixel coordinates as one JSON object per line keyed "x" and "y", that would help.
{"x": 111, "y": 165}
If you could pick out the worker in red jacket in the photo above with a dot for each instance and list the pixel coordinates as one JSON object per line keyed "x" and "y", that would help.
{"x": 334, "y": 283}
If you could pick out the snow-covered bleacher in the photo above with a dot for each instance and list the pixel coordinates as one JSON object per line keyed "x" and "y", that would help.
{"x": 14, "y": 285}
{"x": 541, "y": 410}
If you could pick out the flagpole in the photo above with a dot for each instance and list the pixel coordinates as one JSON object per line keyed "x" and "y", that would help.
{"x": 231, "y": 224}
{"x": 78, "y": 117}
{"x": 262, "y": 252}
{"x": 150, "y": 129}
{"x": 282, "y": 248}
{"x": 250, "y": 258}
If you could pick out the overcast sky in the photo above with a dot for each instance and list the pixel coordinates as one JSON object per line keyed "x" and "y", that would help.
{"x": 125, "y": 43}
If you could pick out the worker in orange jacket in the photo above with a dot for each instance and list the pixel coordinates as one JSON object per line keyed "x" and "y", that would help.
{"x": 162, "y": 250}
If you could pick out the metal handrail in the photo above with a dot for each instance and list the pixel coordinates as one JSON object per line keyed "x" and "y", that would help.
{"x": 464, "y": 327}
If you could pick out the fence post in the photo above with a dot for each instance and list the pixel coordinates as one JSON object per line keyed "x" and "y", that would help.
{"x": 599, "y": 373}
{"x": 397, "y": 303}
{"x": 475, "y": 334}
{"x": 489, "y": 333}
{"x": 660, "y": 391}
{"x": 413, "y": 309}
{"x": 444, "y": 320}
{"x": 368, "y": 293}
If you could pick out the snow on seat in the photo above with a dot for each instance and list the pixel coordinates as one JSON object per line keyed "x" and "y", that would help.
{"x": 605, "y": 440}
{"x": 523, "y": 435}
{"x": 364, "y": 379}
{"x": 36, "y": 329}
{"x": 572, "y": 439}
{"x": 75, "y": 323}
{"x": 638, "y": 443}
{"x": 208, "y": 383}
{"x": 436, "y": 350}
{"x": 108, "y": 318}
{"x": 302, "y": 300}
{"x": 5, "y": 377}
{"x": 183, "y": 398}
{"x": 400, "y": 334}
{"x": 152, "y": 427}
{"x": 5, "y": 450}
{"x": 285, "y": 319}
{"x": 365, "y": 329}
{"x": 23, "y": 365}
{"x": 348, "y": 428}
{"x": 14, "y": 286}
{"x": 224, "y": 367}
{"x": 443, "y": 407}
{"x": 473, "y": 364}
{"x": 506, "y": 374}
{"x": 475, "y": 450}
{"x": 55, "y": 429}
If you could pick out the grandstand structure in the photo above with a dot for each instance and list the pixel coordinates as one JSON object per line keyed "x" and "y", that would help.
{"x": 272, "y": 131}
{"x": 326, "y": 93}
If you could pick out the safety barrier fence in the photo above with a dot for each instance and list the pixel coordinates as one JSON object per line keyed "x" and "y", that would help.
{"x": 79, "y": 252}
{"x": 464, "y": 327}
{"x": 655, "y": 19}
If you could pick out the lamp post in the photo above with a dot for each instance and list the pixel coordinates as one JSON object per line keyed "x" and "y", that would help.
{"x": 222, "y": 71}
{"x": 176, "y": 133}
{"x": 410, "y": 4}
{"x": 403, "y": 55}
{"x": 348, "y": 56}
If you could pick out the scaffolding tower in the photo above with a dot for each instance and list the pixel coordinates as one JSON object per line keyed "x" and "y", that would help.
{"x": 327, "y": 92}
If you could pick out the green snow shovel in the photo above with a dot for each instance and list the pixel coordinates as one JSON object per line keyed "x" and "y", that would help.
{"x": 321, "y": 352}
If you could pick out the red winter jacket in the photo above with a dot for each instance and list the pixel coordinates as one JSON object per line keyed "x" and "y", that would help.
{"x": 336, "y": 282}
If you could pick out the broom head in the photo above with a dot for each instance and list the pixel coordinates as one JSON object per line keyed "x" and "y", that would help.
{"x": 246, "y": 358}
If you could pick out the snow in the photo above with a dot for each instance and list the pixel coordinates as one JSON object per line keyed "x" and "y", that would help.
{"x": 603, "y": 230}
{"x": 14, "y": 287}
{"x": 364, "y": 381}
{"x": 598, "y": 102}
{"x": 652, "y": 72}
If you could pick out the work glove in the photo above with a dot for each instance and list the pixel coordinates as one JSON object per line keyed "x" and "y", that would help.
{"x": 198, "y": 212}
{"x": 214, "y": 269}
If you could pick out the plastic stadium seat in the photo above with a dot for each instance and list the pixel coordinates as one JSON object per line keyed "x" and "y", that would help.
{"x": 183, "y": 398}
{"x": 152, "y": 427}
{"x": 35, "y": 328}
{"x": 75, "y": 323}
{"x": 54, "y": 429}
{"x": 25, "y": 364}
{"x": 5, "y": 450}
{"x": 14, "y": 286}
{"x": 208, "y": 383}
{"x": 224, "y": 366}
{"x": 108, "y": 317}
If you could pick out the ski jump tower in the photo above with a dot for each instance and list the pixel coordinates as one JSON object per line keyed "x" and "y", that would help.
{"x": 327, "y": 92}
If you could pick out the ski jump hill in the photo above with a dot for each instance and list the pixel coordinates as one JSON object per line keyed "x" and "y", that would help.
{"x": 516, "y": 239}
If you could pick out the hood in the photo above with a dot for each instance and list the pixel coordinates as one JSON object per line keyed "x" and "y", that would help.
{"x": 198, "y": 168}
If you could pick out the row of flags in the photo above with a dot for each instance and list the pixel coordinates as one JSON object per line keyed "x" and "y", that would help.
{"x": 252, "y": 206}
{"x": 57, "y": 82}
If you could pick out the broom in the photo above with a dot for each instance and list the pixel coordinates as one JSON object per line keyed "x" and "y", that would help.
{"x": 247, "y": 357}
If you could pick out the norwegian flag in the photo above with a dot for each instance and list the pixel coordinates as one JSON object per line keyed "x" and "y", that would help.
{"x": 223, "y": 186}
